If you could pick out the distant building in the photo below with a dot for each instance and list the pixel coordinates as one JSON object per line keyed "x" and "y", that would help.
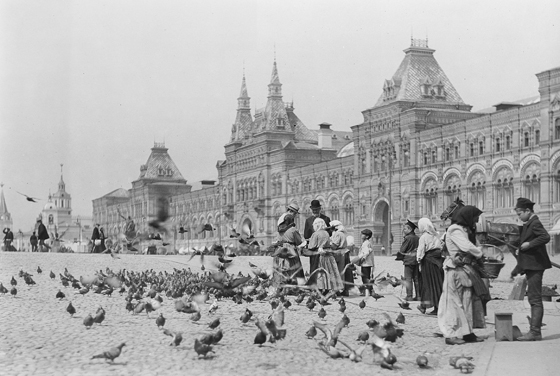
{"x": 417, "y": 149}
{"x": 5, "y": 216}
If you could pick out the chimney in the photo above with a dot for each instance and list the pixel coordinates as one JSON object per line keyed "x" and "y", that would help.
{"x": 325, "y": 136}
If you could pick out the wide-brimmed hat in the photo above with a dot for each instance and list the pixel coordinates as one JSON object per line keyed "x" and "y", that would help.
{"x": 524, "y": 203}
{"x": 315, "y": 204}
{"x": 411, "y": 224}
{"x": 293, "y": 207}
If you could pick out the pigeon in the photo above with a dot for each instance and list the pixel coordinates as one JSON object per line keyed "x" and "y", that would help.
{"x": 362, "y": 304}
{"x": 13, "y": 281}
{"x": 332, "y": 351}
{"x": 110, "y": 355}
{"x": 196, "y": 316}
{"x": 363, "y": 336}
{"x": 70, "y": 309}
{"x": 29, "y": 198}
{"x": 422, "y": 361}
{"x": 376, "y": 296}
{"x": 88, "y": 321}
{"x": 403, "y": 304}
{"x": 342, "y": 308}
{"x": 13, "y": 291}
{"x": 201, "y": 349}
{"x": 3, "y": 290}
{"x": 400, "y": 318}
{"x": 60, "y": 294}
{"x": 177, "y": 337}
{"x": 139, "y": 308}
{"x": 160, "y": 321}
{"x": 462, "y": 362}
{"x": 217, "y": 337}
{"x": 312, "y": 332}
{"x": 311, "y": 305}
{"x": 214, "y": 324}
{"x": 52, "y": 275}
{"x": 322, "y": 313}
{"x": 300, "y": 299}
{"x": 260, "y": 338}
{"x": 214, "y": 307}
{"x": 99, "y": 316}
{"x": 245, "y": 317}
{"x": 331, "y": 337}
{"x": 39, "y": 270}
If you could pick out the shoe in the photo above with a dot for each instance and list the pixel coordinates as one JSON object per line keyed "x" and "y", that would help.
{"x": 454, "y": 341}
{"x": 408, "y": 299}
{"x": 421, "y": 308}
{"x": 530, "y": 336}
{"x": 472, "y": 338}
{"x": 432, "y": 313}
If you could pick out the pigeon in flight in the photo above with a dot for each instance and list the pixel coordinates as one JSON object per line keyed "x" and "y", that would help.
{"x": 29, "y": 198}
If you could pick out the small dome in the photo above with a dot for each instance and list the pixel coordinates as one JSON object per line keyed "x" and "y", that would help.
{"x": 346, "y": 150}
{"x": 49, "y": 205}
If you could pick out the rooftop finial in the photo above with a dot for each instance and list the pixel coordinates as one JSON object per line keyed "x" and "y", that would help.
{"x": 61, "y": 169}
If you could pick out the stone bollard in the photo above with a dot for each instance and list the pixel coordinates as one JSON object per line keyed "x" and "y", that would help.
{"x": 503, "y": 325}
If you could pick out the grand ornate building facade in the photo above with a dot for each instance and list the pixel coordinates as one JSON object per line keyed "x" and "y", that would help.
{"x": 418, "y": 148}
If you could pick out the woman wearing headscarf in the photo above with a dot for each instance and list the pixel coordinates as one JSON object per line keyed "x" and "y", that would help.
{"x": 460, "y": 306}
{"x": 286, "y": 262}
{"x": 339, "y": 244}
{"x": 320, "y": 244}
{"x": 431, "y": 266}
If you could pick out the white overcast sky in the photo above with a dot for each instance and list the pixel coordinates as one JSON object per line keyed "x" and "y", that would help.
{"x": 92, "y": 84}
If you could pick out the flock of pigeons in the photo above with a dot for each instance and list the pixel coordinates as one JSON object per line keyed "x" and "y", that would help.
{"x": 192, "y": 291}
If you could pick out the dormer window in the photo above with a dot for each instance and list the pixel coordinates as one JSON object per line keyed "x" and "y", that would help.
{"x": 438, "y": 89}
{"x": 426, "y": 87}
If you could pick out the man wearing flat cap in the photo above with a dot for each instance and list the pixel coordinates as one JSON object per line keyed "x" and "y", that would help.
{"x": 308, "y": 230}
{"x": 532, "y": 259}
{"x": 407, "y": 254}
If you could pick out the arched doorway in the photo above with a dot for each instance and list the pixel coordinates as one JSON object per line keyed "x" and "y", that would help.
{"x": 381, "y": 231}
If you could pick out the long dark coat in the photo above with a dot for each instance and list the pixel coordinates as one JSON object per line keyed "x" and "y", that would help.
{"x": 42, "y": 233}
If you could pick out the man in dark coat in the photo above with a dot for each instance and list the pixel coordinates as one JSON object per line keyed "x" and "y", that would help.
{"x": 8, "y": 239}
{"x": 532, "y": 259}
{"x": 407, "y": 254}
{"x": 33, "y": 241}
{"x": 308, "y": 230}
{"x": 43, "y": 235}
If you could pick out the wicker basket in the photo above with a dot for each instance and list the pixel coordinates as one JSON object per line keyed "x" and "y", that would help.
{"x": 493, "y": 268}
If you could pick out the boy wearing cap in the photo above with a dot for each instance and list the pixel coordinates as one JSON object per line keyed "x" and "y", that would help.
{"x": 408, "y": 251}
{"x": 367, "y": 262}
{"x": 532, "y": 259}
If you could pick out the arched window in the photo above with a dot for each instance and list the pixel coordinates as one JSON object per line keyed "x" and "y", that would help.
{"x": 497, "y": 144}
{"x": 452, "y": 189}
{"x": 537, "y": 137}
{"x": 472, "y": 149}
{"x": 556, "y": 177}
{"x": 334, "y": 210}
{"x": 481, "y": 148}
{"x": 477, "y": 189}
{"x": 532, "y": 183}
{"x": 557, "y": 129}
{"x": 508, "y": 142}
{"x": 526, "y": 139}
{"x": 348, "y": 212}
{"x": 430, "y": 197}
{"x": 503, "y": 188}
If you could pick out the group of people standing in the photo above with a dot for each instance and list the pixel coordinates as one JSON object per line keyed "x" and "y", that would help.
{"x": 37, "y": 238}
{"x": 323, "y": 241}
{"x": 448, "y": 273}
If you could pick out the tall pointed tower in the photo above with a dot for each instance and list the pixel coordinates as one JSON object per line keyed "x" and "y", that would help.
{"x": 275, "y": 116}
{"x": 244, "y": 120}
{"x": 5, "y": 216}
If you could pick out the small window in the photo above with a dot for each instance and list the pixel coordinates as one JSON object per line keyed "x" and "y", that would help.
{"x": 456, "y": 152}
{"x": 537, "y": 137}
{"x": 508, "y": 143}
{"x": 425, "y": 158}
{"x": 434, "y": 156}
{"x": 481, "y": 148}
{"x": 498, "y": 145}
{"x": 526, "y": 139}
{"x": 472, "y": 150}
{"x": 447, "y": 154}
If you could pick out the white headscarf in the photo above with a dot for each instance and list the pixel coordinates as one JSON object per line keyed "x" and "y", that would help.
{"x": 425, "y": 225}
{"x": 337, "y": 225}
{"x": 319, "y": 224}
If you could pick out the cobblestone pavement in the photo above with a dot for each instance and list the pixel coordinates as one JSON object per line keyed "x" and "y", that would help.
{"x": 38, "y": 336}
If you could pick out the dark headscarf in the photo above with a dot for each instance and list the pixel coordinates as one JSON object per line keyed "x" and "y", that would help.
{"x": 465, "y": 217}
{"x": 287, "y": 223}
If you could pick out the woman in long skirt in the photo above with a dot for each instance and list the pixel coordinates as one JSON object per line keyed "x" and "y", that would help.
{"x": 431, "y": 266}
{"x": 287, "y": 266}
{"x": 461, "y": 303}
{"x": 339, "y": 245}
{"x": 321, "y": 244}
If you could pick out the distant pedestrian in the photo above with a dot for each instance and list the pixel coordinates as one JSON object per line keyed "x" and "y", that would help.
{"x": 96, "y": 239}
{"x": 407, "y": 254}
{"x": 532, "y": 259}
{"x": 309, "y": 229}
{"x": 33, "y": 241}
{"x": 366, "y": 261}
{"x": 42, "y": 235}
{"x": 8, "y": 239}
{"x": 430, "y": 262}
